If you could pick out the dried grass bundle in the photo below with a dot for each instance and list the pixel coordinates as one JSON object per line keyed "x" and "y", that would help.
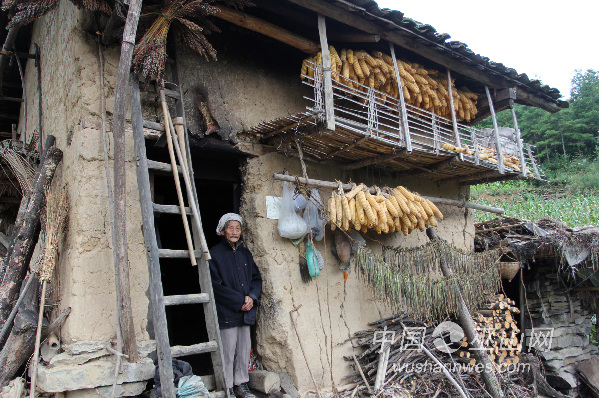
{"x": 57, "y": 208}
{"x": 23, "y": 12}
{"x": 190, "y": 19}
{"x": 410, "y": 279}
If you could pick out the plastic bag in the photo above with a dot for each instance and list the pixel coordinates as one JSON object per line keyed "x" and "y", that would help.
{"x": 299, "y": 203}
{"x": 319, "y": 258}
{"x": 312, "y": 215}
{"x": 191, "y": 386}
{"x": 312, "y": 260}
{"x": 291, "y": 225}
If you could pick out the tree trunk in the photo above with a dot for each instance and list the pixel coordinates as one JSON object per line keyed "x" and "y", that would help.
{"x": 19, "y": 346}
{"x": 13, "y": 354}
{"x": 120, "y": 186}
{"x": 489, "y": 377}
{"x": 26, "y": 236}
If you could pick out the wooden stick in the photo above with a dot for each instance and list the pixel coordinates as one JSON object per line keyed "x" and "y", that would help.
{"x": 120, "y": 184}
{"x": 488, "y": 375}
{"x": 171, "y": 153}
{"x": 362, "y": 373}
{"x": 38, "y": 336}
{"x": 348, "y": 187}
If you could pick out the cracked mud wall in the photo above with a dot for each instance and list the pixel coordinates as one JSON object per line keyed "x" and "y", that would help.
{"x": 330, "y": 311}
{"x": 71, "y": 112}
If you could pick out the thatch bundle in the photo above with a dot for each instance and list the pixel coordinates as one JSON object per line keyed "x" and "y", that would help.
{"x": 190, "y": 19}
{"x": 411, "y": 279}
{"x": 57, "y": 208}
{"x": 25, "y": 11}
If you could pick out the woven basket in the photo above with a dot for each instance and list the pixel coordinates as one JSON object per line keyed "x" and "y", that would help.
{"x": 509, "y": 269}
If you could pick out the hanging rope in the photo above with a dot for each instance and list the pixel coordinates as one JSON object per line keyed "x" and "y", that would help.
{"x": 411, "y": 280}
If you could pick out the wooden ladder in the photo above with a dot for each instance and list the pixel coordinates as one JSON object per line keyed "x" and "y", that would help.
{"x": 158, "y": 302}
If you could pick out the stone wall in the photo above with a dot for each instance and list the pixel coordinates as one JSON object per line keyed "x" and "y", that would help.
{"x": 559, "y": 313}
{"x": 330, "y": 311}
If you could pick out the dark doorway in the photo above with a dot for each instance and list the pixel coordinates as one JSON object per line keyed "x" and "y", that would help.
{"x": 217, "y": 182}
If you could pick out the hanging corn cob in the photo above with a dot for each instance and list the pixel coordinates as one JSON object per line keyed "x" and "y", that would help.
{"x": 490, "y": 155}
{"x": 425, "y": 88}
{"x": 389, "y": 210}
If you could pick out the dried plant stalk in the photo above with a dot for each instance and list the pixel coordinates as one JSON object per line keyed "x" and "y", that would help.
{"x": 57, "y": 208}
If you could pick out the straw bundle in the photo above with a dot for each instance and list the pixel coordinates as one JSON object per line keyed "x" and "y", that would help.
{"x": 57, "y": 208}
{"x": 23, "y": 12}
{"x": 409, "y": 279}
{"x": 20, "y": 167}
{"x": 190, "y": 19}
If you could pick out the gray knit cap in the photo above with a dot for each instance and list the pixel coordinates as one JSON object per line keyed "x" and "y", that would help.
{"x": 222, "y": 223}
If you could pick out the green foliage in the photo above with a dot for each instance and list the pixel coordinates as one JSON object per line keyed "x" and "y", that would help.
{"x": 571, "y": 195}
{"x": 569, "y": 133}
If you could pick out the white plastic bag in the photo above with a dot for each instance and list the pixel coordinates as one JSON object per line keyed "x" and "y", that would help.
{"x": 291, "y": 225}
{"x": 299, "y": 203}
{"x": 312, "y": 215}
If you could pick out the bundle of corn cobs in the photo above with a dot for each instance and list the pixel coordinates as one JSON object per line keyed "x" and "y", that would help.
{"x": 488, "y": 154}
{"x": 424, "y": 88}
{"x": 389, "y": 210}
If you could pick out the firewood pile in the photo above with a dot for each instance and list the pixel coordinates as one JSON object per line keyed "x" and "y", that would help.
{"x": 414, "y": 370}
{"x": 498, "y": 330}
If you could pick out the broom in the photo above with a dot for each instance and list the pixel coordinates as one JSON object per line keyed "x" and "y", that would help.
{"x": 57, "y": 208}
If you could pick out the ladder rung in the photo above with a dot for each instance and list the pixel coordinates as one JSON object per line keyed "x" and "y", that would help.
{"x": 201, "y": 348}
{"x": 168, "y": 253}
{"x": 199, "y": 298}
{"x": 160, "y": 166}
{"x": 170, "y": 209}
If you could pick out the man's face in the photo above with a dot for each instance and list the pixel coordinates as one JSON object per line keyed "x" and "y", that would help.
{"x": 232, "y": 231}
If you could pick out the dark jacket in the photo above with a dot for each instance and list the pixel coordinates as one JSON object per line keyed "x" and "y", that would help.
{"x": 234, "y": 276}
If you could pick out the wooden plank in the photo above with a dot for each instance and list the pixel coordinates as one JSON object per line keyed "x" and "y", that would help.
{"x": 402, "y": 102}
{"x": 160, "y": 166}
{"x": 170, "y": 253}
{"x": 200, "y": 348}
{"x": 454, "y": 119}
{"x": 373, "y": 160}
{"x": 518, "y": 140}
{"x": 287, "y": 385}
{"x": 180, "y": 299}
{"x": 149, "y": 234}
{"x": 354, "y": 37}
{"x": 496, "y": 131}
{"x": 329, "y": 107}
{"x": 256, "y": 24}
{"x": 169, "y": 209}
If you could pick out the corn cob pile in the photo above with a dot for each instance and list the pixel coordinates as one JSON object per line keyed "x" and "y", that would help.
{"x": 424, "y": 88}
{"x": 488, "y": 154}
{"x": 389, "y": 210}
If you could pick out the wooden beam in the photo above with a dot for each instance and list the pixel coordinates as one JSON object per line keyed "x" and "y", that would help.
{"x": 329, "y": 108}
{"x": 355, "y": 37}
{"x": 348, "y": 187}
{"x": 371, "y": 161}
{"x": 498, "y": 146}
{"x": 447, "y": 163}
{"x": 348, "y": 146}
{"x": 402, "y": 102}
{"x": 429, "y": 49}
{"x": 256, "y": 24}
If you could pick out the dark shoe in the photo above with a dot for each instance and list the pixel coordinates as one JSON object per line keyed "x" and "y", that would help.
{"x": 231, "y": 393}
{"x": 243, "y": 391}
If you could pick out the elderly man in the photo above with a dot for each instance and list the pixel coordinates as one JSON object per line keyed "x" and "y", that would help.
{"x": 237, "y": 284}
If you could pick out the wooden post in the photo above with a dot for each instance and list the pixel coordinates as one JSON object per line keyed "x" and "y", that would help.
{"x": 532, "y": 160}
{"x": 163, "y": 349}
{"x": 454, "y": 120}
{"x": 518, "y": 139}
{"x": 25, "y": 236}
{"x": 402, "y": 102}
{"x": 326, "y": 67}
{"x": 120, "y": 185}
{"x": 496, "y": 130}
{"x": 488, "y": 374}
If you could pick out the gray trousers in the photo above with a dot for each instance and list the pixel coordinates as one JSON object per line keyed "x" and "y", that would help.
{"x": 236, "y": 350}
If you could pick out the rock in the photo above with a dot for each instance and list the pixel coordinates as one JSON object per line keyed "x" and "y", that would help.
{"x": 14, "y": 389}
{"x": 122, "y": 390}
{"x": 91, "y": 374}
{"x": 264, "y": 381}
{"x": 84, "y": 347}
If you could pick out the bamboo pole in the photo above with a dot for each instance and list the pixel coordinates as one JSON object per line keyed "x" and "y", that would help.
{"x": 348, "y": 187}
{"x": 171, "y": 153}
{"x": 120, "y": 185}
{"x": 488, "y": 375}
